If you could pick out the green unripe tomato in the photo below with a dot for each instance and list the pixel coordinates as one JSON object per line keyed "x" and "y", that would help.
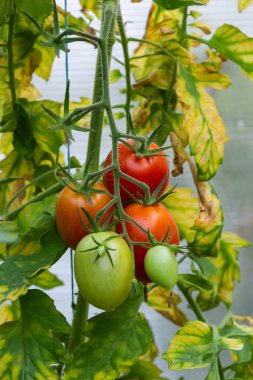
{"x": 161, "y": 266}
{"x": 103, "y": 280}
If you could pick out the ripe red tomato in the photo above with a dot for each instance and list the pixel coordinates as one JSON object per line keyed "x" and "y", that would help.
{"x": 68, "y": 221}
{"x": 157, "y": 219}
{"x": 151, "y": 170}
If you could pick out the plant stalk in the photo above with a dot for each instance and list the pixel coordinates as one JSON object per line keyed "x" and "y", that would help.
{"x": 11, "y": 60}
{"x": 127, "y": 67}
{"x": 79, "y": 322}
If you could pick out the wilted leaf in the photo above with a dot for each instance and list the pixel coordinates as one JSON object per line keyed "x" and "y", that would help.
{"x": 202, "y": 26}
{"x": 17, "y": 271}
{"x": 209, "y": 224}
{"x": 203, "y": 123}
{"x": 173, "y": 4}
{"x": 93, "y": 360}
{"x": 158, "y": 299}
{"x": 184, "y": 208}
{"x": 243, "y": 4}
{"x": 228, "y": 271}
{"x": 28, "y": 346}
{"x": 195, "y": 346}
{"x": 47, "y": 280}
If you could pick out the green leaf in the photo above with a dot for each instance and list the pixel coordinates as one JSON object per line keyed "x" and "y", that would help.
{"x": 91, "y": 5}
{"x": 203, "y": 123}
{"x": 9, "y": 232}
{"x": 235, "y": 45}
{"x": 195, "y": 346}
{"x": 243, "y": 4}
{"x": 37, "y": 217}
{"x": 6, "y": 10}
{"x": 23, "y": 140}
{"x": 28, "y": 346}
{"x": 39, "y": 9}
{"x": 115, "y": 75}
{"x": 143, "y": 370}
{"x": 47, "y": 280}
{"x": 228, "y": 271}
{"x": 158, "y": 299}
{"x": 16, "y": 272}
{"x": 174, "y": 4}
{"x": 193, "y": 281}
{"x": 209, "y": 224}
{"x": 124, "y": 331}
{"x": 49, "y": 141}
{"x": 184, "y": 208}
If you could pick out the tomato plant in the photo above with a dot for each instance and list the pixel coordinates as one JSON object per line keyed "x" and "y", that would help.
{"x": 156, "y": 219}
{"x": 166, "y": 98}
{"x": 70, "y": 217}
{"x": 144, "y": 167}
{"x": 103, "y": 271}
{"x": 161, "y": 266}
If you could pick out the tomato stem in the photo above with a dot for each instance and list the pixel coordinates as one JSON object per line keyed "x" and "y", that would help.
{"x": 79, "y": 321}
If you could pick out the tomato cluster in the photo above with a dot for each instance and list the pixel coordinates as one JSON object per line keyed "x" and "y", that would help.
{"x": 103, "y": 260}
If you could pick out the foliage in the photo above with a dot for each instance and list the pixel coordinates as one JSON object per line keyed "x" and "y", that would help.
{"x": 171, "y": 100}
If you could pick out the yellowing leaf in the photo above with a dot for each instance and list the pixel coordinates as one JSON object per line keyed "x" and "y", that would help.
{"x": 228, "y": 271}
{"x": 47, "y": 280}
{"x": 28, "y": 345}
{"x": 185, "y": 209}
{"x": 235, "y": 45}
{"x": 202, "y": 26}
{"x": 209, "y": 224}
{"x": 203, "y": 123}
{"x": 10, "y": 312}
{"x": 17, "y": 271}
{"x": 93, "y": 360}
{"x": 243, "y": 4}
{"x": 196, "y": 345}
{"x": 158, "y": 299}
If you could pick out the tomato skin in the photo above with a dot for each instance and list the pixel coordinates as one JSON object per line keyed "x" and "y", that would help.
{"x": 148, "y": 169}
{"x": 157, "y": 219}
{"x": 68, "y": 221}
{"x": 101, "y": 284}
{"x": 161, "y": 266}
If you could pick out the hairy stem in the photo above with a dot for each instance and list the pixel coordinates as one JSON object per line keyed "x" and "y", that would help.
{"x": 79, "y": 322}
{"x": 127, "y": 68}
{"x": 10, "y": 59}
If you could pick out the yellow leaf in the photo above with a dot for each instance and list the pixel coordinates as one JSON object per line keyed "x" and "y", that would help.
{"x": 202, "y": 26}
{"x": 228, "y": 271}
{"x": 158, "y": 299}
{"x": 203, "y": 123}
{"x": 185, "y": 209}
{"x": 9, "y": 312}
{"x": 243, "y": 4}
{"x": 209, "y": 223}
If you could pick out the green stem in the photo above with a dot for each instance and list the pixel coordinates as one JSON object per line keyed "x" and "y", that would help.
{"x": 165, "y": 51}
{"x": 195, "y": 308}
{"x": 127, "y": 67}
{"x": 79, "y": 322}
{"x": 208, "y": 43}
{"x": 51, "y": 190}
{"x": 97, "y": 116}
{"x": 10, "y": 58}
{"x": 107, "y": 33}
{"x": 184, "y": 26}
